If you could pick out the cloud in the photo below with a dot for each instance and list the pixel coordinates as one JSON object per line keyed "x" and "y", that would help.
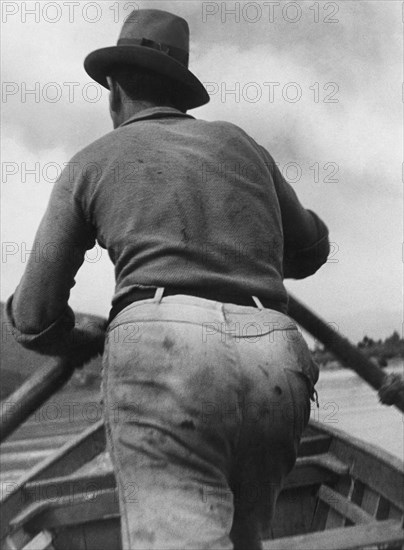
{"x": 26, "y": 187}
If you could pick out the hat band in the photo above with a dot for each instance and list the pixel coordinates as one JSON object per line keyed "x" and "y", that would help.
{"x": 176, "y": 53}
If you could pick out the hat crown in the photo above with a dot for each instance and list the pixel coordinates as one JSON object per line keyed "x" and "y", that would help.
{"x": 158, "y": 26}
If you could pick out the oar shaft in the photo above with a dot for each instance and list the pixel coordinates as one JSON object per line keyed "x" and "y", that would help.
{"x": 17, "y": 407}
{"x": 349, "y": 355}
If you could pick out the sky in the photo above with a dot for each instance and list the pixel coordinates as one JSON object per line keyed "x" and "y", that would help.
{"x": 319, "y": 84}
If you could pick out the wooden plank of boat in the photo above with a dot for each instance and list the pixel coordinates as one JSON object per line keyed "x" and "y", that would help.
{"x": 23, "y": 541}
{"x": 66, "y": 513}
{"x": 34, "y": 392}
{"x": 298, "y": 511}
{"x": 74, "y": 484}
{"x": 388, "y": 532}
{"x": 65, "y": 501}
{"x": 64, "y": 462}
{"x": 73, "y": 509}
{"x": 69, "y": 510}
{"x": 312, "y": 470}
{"x": 20, "y": 460}
{"x": 42, "y": 541}
{"x": 371, "y": 465}
{"x": 34, "y": 444}
{"x": 343, "y": 506}
{"x": 314, "y": 444}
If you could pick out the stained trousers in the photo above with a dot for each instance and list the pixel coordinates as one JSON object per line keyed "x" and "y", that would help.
{"x": 205, "y": 404}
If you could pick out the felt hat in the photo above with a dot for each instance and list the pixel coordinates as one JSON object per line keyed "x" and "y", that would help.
{"x": 157, "y": 41}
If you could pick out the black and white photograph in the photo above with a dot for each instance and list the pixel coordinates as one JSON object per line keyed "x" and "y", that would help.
{"x": 202, "y": 275}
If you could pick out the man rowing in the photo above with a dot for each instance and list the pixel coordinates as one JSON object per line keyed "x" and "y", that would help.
{"x": 206, "y": 380}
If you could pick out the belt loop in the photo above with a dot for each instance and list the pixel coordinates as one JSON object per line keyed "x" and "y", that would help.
{"x": 257, "y": 302}
{"x": 159, "y": 294}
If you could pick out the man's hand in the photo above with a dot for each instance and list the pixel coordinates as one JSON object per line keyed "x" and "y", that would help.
{"x": 87, "y": 342}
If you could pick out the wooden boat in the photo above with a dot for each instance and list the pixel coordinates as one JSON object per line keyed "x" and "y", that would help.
{"x": 342, "y": 493}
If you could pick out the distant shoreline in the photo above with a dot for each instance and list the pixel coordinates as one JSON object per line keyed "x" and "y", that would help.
{"x": 380, "y": 352}
{"x": 334, "y": 365}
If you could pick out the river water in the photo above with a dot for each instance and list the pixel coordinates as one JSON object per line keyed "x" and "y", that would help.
{"x": 348, "y": 403}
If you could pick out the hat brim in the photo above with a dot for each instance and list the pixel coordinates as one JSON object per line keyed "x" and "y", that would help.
{"x": 99, "y": 63}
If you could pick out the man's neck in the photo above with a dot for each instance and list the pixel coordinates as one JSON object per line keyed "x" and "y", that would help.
{"x": 129, "y": 109}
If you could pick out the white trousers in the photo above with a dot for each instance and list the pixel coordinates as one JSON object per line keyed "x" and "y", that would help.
{"x": 205, "y": 405}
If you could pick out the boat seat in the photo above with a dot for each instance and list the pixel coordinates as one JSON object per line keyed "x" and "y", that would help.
{"x": 315, "y": 470}
{"x": 388, "y": 532}
{"x": 314, "y": 444}
{"x": 42, "y": 541}
{"x": 308, "y": 470}
{"x": 343, "y": 506}
{"x": 22, "y": 541}
{"x": 68, "y": 510}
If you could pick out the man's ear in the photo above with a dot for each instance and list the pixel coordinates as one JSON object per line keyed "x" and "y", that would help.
{"x": 115, "y": 95}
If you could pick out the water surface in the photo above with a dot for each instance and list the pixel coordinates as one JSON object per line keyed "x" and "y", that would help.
{"x": 350, "y": 404}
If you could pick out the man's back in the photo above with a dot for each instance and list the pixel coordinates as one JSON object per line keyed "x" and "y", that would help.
{"x": 185, "y": 203}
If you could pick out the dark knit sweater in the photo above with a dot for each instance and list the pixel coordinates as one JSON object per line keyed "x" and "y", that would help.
{"x": 177, "y": 202}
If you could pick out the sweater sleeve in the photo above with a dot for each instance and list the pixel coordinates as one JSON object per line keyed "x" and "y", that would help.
{"x": 38, "y": 310}
{"x": 306, "y": 244}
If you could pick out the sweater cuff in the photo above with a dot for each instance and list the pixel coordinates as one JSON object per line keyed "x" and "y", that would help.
{"x": 302, "y": 263}
{"x": 50, "y": 341}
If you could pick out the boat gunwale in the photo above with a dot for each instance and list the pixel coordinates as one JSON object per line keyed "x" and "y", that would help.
{"x": 380, "y": 454}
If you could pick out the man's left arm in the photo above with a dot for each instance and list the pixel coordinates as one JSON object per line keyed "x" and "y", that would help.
{"x": 38, "y": 311}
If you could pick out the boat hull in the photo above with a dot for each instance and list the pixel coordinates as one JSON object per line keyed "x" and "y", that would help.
{"x": 340, "y": 488}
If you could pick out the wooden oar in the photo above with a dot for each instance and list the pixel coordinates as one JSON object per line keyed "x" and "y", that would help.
{"x": 350, "y": 356}
{"x": 17, "y": 407}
